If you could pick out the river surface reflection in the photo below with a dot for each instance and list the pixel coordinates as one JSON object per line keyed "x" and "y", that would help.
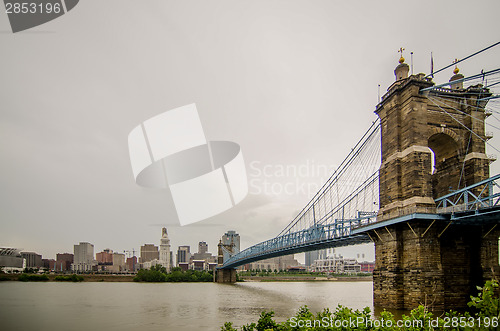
{"x": 166, "y": 306}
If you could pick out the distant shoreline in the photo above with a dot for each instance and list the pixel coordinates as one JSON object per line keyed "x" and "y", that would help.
{"x": 306, "y": 279}
{"x": 86, "y": 277}
{"x": 130, "y": 278}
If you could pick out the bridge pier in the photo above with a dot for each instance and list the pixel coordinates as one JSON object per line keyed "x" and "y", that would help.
{"x": 423, "y": 263}
{"x": 226, "y": 275}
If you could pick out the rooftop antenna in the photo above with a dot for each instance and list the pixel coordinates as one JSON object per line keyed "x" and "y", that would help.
{"x": 432, "y": 67}
{"x": 378, "y": 93}
{"x": 411, "y": 62}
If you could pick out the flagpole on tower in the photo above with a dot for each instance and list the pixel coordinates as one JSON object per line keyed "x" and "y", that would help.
{"x": 432, "y": 66}
{"x": 411, "y": 62}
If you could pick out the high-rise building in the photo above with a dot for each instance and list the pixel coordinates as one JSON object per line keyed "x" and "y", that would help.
{"x": 64, "y": 261}
{"x": 48, "y": 264}
{"x": 165, "y": 256}
{"x": 202, "y": 247}
{"x": 149, "y": 252}
{"x": 203, "y": 254}
{"x": 105, "y": 257}
{"x": 131, "y": 263}
{"x": 84, "y": 257}
{"x": 33, "y": 260}
{"x": 312, "y": 256}
{"x": 183, "y": 254}
{"x": 118, "y": 262}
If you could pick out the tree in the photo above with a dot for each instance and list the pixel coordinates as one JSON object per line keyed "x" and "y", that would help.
{"x": 159, "y": 268}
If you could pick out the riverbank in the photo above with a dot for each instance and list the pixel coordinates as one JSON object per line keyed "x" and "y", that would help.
{"x": 270, "y": 278}
{"x": 301, "y": 278}
{"x": 86, "y": 278}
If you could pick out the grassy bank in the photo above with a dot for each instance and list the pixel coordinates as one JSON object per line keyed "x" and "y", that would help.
{"x": 301, "y": 277}
{"x": 67, "y": 277}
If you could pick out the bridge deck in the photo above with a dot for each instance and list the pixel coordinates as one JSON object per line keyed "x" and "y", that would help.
{"x": 460, "y": 207}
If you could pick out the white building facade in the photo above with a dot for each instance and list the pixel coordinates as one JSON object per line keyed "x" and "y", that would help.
{"x": 165, "y": 257}
{"x": 83, "y": 257}
{"x": 336, "y": 264}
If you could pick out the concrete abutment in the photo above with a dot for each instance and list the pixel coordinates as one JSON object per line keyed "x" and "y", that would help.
{"x": 226, "y": 276}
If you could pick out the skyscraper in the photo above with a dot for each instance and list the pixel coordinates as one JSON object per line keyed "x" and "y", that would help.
{"x": 149, "y": 252}
{"x": 83, "y": 257}
{"x": 202, "y": 247}
{"x": 183, "y": 254}
{"x": 312, "y": 256}
{"x": 105, "y": 257}
{"x": 33, "y": 260}
{"x": 64, "y": 261}
{"x": 165, "y": 250}
{"x": 203, "y": 253}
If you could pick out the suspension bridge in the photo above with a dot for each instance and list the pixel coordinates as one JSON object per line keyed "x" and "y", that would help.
{"x": 416, "y": 183}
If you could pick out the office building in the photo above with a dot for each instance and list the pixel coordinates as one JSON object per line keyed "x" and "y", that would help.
{"x": 64, "y": 261}
{"x": 132, "y": 263}
{"x": 165, "y": 256}
{"x": 105, "y": 257}
{"x": 83, "y": 257}
{"x": 312, "y": 256}
{"x": 202, "y": 247}
{"x": 203, "y": 254}
{"x": 183, "y": 254}
{"x": 33, "y": 260}
{"x": 149, "y": 252}
{"x": 119, "y": 264}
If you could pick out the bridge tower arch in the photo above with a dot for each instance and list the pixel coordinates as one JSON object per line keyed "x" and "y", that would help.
{"x": 432, "y": 142}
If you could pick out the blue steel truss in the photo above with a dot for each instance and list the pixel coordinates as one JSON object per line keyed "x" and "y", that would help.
{"x": 477, "y": 202}
{"x": 471, "y": 200}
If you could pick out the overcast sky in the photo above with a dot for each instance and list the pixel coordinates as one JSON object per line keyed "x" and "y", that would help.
{"x": 294, "y": 83}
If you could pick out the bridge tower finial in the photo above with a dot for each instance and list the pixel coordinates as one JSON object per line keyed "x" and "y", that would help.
{"x": 456, "y": 76}
{"x": 402, "y": 69}
{"x": 401, "y": 58}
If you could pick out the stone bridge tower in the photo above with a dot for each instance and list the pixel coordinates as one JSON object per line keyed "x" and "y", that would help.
{"x": 432, "y": 144}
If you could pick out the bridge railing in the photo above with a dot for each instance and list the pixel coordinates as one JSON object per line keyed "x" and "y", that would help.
{"x": 312, "y": 236}
{"x": 475, "y": 197}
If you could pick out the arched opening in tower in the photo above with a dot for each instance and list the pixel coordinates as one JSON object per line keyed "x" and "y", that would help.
{"x": 447, "y": 165}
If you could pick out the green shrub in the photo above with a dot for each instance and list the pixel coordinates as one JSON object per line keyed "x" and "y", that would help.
{"x": 68, "y": 278}
{"x": 32, "y": 278}
{"x": 486, "y": 306}
{"x": 157, "y": 274}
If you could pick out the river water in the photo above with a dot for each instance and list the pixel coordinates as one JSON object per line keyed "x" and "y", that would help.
{"x": 165, "y": 306}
